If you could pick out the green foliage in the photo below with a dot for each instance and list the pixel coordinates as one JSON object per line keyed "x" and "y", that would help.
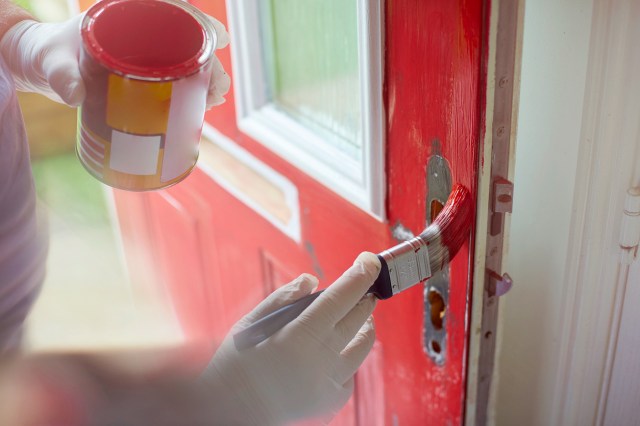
{"x": 24, "y": 4}
{"x": 69, "y": 190}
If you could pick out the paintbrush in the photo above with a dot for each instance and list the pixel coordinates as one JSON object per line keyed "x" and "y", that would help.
{"x": 402, "y": 266}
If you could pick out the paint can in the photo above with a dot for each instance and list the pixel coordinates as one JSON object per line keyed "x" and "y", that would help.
{"x": 146, "y": 65}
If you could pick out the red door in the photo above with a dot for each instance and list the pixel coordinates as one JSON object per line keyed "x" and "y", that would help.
{"x": 251, "y": 218}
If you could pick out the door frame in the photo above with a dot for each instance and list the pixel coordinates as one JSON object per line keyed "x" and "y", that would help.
{"x": 504, "y": 21}
{"x": 572, "y": 288}
{"x": 608, "y": 164}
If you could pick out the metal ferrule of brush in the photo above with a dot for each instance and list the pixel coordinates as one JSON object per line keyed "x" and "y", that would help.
{"x": 403, "y": 266}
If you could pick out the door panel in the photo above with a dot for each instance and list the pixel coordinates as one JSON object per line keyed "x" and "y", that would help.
{"x": 184, "y": 213}
{"x": 433, "y": 72}
{"x": 220, "y": 257}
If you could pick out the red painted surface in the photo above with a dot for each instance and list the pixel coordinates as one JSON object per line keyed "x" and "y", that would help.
{"x": 433, "y": 69}
{"x": 219, "y": 258}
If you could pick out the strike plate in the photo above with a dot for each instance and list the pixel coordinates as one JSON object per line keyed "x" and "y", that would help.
{"x": 436, "y": 289}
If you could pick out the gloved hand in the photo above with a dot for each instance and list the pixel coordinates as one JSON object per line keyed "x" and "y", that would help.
{"x": 305, "y": 369}
{"x": 43, "y": 58}
{"x": 220, "y": 81}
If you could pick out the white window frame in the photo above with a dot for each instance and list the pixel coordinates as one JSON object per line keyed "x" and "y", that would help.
{"x": 360, "y": 181}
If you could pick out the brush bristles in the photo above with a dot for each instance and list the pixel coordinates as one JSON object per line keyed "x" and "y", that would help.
{"x": 447, "y": 234}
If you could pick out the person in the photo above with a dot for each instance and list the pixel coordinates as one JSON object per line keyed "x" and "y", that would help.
{"x": 305, "y": 370}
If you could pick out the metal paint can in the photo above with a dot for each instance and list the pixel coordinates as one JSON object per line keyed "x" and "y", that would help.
{"x": 146, "y": 65}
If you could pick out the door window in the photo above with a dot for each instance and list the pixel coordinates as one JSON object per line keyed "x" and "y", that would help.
{"x": 307, "y": 76}
{"x": 311, "y": 57}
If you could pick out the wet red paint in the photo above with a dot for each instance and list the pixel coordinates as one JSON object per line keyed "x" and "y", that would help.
{"x": 233, "y": 257}
{"x": 455, "y": 220}
{"x": 433, "y": 68}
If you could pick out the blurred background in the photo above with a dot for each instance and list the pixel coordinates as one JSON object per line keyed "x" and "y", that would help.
{"x": 87, "y": 302}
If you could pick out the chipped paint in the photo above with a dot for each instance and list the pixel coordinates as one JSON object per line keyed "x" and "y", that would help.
{"x": 401, "y": 232}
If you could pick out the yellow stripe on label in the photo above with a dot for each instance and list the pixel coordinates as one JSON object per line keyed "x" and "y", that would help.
{"x": 138, "y": 107}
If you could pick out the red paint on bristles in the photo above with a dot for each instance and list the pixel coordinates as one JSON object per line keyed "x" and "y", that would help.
{"x": 450, "y": 230}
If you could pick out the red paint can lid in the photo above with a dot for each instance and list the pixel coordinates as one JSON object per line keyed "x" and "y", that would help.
{"x": 148, "y": 39}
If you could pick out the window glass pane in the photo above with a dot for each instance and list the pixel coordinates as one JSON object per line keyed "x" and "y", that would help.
{"x": 311, "y": 53}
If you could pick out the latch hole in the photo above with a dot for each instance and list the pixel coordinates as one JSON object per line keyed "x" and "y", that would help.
{"x": 438, "y": 308}
{"x": 436, "y": 208}
{"x": 435, "y": 347}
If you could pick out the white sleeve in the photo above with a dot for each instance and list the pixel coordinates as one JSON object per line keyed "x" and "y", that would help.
{"x": 23, "y": 238}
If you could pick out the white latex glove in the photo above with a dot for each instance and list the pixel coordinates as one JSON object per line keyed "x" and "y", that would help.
{"x": 220, "y": 81}
{"x": 305, "y": 369}
{"x": 43, "y": 58}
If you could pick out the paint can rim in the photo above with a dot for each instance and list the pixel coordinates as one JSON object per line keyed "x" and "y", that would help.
{"x": 195, "y": 63}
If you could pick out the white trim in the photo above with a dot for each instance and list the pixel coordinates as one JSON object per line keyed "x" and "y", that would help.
{"x": 609, "y": 142}
{"x": 621, "y": 398}
{"x": 371, "y": 52}
{"x": 553, "y": 79}
{"x": 290, "y": 191}
{"x": 360, "y": 180}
